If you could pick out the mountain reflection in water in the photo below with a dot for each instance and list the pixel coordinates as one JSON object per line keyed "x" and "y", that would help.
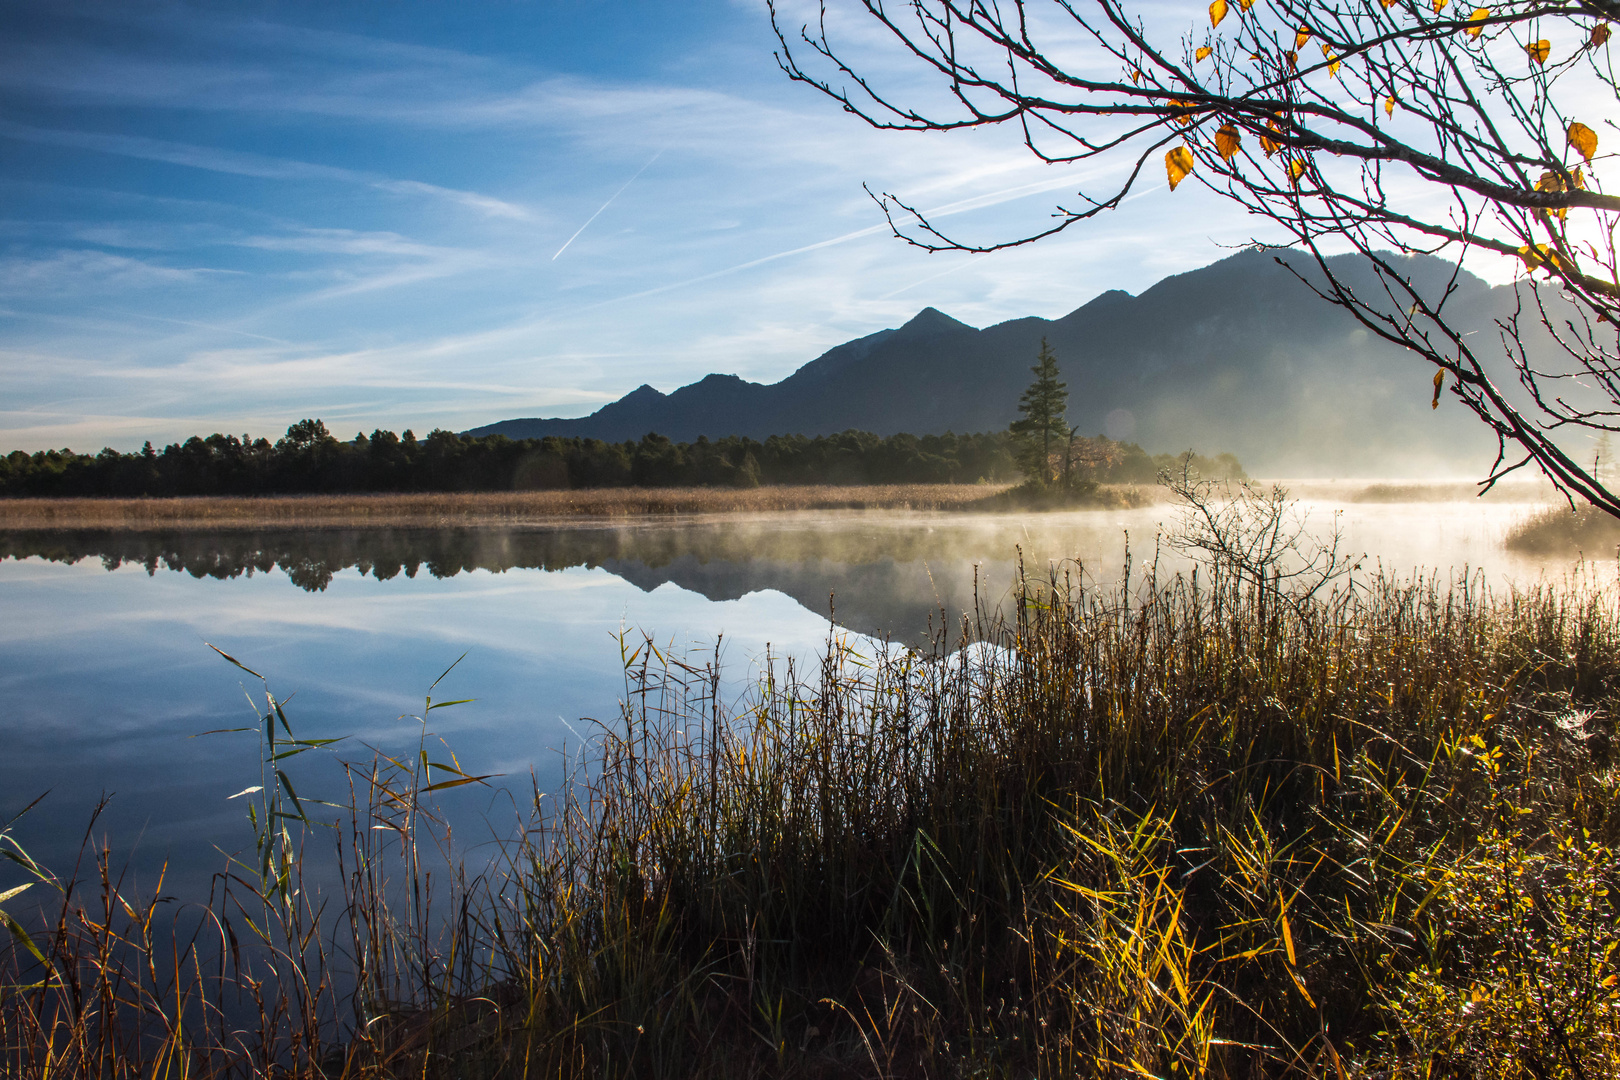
{"x": 107, "y": 674}
{"x": 883, "y": 574}
{"x": 878, "y": 576}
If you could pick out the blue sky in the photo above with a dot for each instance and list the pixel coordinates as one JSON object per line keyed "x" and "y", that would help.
{"x": 229, "y": 216}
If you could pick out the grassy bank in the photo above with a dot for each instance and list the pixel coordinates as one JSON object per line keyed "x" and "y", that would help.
{"x": 478, "y": 508}
{"x": 1561, "y": 530}
{"x": 1165, "y": 830}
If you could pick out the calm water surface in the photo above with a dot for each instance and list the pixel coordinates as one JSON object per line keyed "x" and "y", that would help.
{"x": 106, "y": 677}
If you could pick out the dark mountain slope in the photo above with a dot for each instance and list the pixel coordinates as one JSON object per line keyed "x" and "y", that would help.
{"x": 1236, "y": 356}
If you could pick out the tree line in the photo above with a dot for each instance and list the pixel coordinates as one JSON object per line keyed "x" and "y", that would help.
{"x": 310, "y": 460}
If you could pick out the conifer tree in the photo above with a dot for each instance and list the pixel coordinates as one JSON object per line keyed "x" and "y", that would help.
{"x": 1043, "y": 422}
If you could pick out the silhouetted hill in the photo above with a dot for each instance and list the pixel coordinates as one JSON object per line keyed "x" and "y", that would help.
{"x": 1236, "y": 356}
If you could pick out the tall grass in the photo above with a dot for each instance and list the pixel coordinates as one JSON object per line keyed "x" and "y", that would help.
{"x": 1561, "y": 530}
{"x": 1169, "y": 828}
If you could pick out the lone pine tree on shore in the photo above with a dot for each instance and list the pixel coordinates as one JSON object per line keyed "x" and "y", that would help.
{"x": 1043, "y": 406}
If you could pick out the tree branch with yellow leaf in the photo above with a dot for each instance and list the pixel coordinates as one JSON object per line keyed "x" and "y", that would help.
{"x": 1387, "y": 128}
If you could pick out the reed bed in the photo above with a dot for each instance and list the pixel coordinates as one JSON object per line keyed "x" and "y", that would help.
{"x": 1565, "y": 530}
{"x": 479, "y": 508}
{"x": 1184, "y": 828}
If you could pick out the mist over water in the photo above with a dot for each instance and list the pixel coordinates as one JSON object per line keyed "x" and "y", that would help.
{"x": 107, "y": 677}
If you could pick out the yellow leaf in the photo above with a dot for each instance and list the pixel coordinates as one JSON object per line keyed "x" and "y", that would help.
{"x": 1539, "y": 51}
{"x": 1550, "y": 181}
{"x": 1293, "y": 60}
{"x": 1217, "y": 12}
{"x": 1301, "y": 37}
{"x": 1439, "y": 6}
{"x": 1333, "y": 67}
{"x": 1583, "y": 139}
{"x": 1203, "y": 52}
{"x": 1270, "y": 145}
{"x": 1540, "y": 256}
{"x": 1439, "y": 384}
{"x": 1296, "y": 169}
{"x": 1178, "y": 163}
{"x": 1389, "y": 105}
{"x": 1388, "y": 4}
{"x": 1136, "y": 75}
{"x": 1245, "y": 4}
{"x": 1478, "y": 18}
{"x": 1600, "y": 35}
{"x": 1227, "y": 141}
{"x": 1184, "y": 119}
{"x": 1580, "y": 181}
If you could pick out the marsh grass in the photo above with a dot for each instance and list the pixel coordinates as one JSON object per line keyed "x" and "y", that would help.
{"x": 475, "y": 508}
{"x": 1167, "y": 828}
{"x": 1563, "y": 530}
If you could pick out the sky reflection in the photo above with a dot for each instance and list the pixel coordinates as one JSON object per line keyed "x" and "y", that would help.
{"x": 106, "y": 674}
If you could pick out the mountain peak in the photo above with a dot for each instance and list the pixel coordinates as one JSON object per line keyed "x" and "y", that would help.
{"x": 929, "y": 321}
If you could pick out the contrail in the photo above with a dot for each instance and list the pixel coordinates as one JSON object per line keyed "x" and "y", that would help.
{"x": 607, "y": 204}
{"x": 930, "y": 277}
{"x": 947, "y": 210}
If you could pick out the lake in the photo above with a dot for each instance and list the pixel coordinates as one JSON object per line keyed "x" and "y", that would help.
{"x": 108, "y": 678}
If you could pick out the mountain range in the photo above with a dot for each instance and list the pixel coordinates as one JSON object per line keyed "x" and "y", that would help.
{"x": 1237, "y": 356}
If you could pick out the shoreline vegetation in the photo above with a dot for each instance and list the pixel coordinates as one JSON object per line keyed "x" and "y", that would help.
{"x": 1562, "y": 530}
{"x": 506, "y": 508}
{"x": 1186, "y": 827}
{"x": 490, "y": 508}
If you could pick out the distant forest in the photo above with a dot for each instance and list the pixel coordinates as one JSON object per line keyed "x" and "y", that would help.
{"x": 309, "y": 460}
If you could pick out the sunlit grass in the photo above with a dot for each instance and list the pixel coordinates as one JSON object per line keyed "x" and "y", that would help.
{"x": 1168, "y": 829}
{"x": 1563, "y": 530}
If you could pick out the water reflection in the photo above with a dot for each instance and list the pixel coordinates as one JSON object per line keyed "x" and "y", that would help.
{"x": 104, "y": 674}
{"x": 881, "y": 574}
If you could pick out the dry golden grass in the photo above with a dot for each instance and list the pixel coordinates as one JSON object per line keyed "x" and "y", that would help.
{"x": 1179, "y": 831}
{"x": 1562, "y": 530}
{"x": 475, "y": 508}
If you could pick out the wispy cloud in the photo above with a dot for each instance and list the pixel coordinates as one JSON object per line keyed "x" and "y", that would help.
{"x": 242, "y": 163}
{"x": 393, "y": 252}
{"x": 945, "y": 210}
{"x": 75, "y": 271}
